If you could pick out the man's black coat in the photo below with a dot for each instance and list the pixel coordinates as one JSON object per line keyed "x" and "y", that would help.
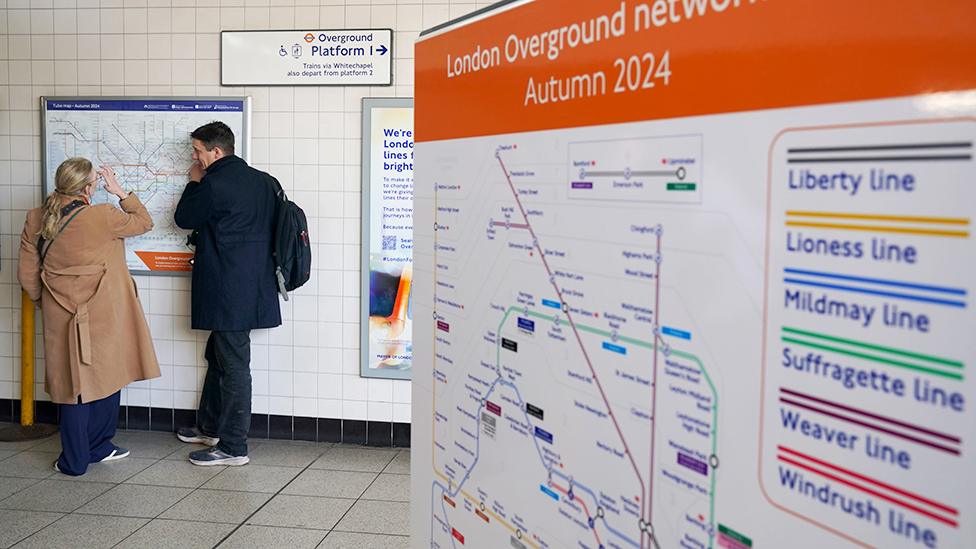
{"x": 233, "y": 209}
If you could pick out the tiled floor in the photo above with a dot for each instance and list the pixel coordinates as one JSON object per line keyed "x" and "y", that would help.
{"x": 292, "y": 495}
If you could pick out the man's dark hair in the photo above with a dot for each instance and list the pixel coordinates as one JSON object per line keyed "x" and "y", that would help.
{"x": 215, "y": 134}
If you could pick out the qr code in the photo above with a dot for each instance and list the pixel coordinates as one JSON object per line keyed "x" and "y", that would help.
{"x": 389, "y": 242}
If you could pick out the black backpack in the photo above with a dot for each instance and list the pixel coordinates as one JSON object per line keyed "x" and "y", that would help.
{"x": 292, "y": 252}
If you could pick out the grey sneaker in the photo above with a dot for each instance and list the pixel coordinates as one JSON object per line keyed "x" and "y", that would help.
{"x": 193, "y": 435}
{"x": 213, "y": 456}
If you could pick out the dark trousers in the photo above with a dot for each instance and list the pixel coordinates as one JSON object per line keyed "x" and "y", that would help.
{"x": 86, "y": 433}
{"x": 225, "y": 405}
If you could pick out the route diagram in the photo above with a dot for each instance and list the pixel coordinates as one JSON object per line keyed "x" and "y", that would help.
{"x": 569, "y": 409}
{"x": 150, "y": 152}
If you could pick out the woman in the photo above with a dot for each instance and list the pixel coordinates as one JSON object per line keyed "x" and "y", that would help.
{"x": 96, "y": 341}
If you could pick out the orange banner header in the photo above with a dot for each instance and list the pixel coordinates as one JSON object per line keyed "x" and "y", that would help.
{"x": 556, "y": 64}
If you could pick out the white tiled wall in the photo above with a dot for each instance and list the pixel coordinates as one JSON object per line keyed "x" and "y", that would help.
{"x": 308, "y": 137}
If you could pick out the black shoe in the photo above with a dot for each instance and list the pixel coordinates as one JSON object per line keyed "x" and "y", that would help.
{"x": 193, "y": 435}
{"x": 117, "y": 453}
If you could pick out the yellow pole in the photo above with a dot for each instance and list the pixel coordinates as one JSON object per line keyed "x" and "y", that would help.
{"x": 27, "y": 430}
{"x": 26, "y": 360}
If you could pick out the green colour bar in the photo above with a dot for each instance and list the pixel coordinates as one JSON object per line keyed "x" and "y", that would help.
{"x": 873, "y": 358}
{"x": 734, "y": 535}
{"x": 927, "y": 358}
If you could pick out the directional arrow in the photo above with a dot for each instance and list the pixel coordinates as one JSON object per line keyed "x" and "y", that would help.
{"x": 382, "y": 49}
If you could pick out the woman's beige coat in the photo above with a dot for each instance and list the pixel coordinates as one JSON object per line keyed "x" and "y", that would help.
{"x": 96, "y": 339}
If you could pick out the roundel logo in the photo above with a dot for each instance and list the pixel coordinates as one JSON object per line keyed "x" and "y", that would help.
{"x": 309, "y": 37}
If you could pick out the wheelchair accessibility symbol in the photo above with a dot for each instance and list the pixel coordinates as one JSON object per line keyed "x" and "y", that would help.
{"x": 282, "y": 51}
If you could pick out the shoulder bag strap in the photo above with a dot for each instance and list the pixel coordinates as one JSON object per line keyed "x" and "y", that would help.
{"x": 44, "y": 246}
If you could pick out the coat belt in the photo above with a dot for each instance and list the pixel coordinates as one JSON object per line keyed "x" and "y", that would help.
{"x": 82, "y": 326}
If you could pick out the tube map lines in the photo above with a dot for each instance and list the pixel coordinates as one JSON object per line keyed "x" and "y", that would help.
{"x": 147, "y": 143}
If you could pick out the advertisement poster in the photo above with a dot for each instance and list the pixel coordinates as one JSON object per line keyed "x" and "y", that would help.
{"x": 387, "y": 256}
{"x": 146, "y": 140}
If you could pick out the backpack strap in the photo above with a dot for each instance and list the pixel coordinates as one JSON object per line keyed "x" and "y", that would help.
{"x": 43, "y": 246}
{"x": 282, "y": 199}
{"x": 278, "y": 189}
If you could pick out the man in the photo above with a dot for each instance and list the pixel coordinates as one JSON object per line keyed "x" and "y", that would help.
{"x": 231, "y": 206}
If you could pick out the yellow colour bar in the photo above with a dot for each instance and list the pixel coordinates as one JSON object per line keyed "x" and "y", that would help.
{"x": 880, "y": 229}
{"x": 906, "y": 218}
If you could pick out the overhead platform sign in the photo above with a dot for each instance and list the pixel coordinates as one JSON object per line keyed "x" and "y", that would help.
{"x": 348, "y": 57}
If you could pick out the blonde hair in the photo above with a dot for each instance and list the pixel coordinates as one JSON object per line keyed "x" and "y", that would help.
{"x": 70, "y": 180}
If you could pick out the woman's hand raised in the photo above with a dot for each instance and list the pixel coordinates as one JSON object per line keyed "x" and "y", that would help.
{"x": 111, "y": 184}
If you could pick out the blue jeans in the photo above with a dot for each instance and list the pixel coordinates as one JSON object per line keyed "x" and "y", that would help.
{"x": 86, "y": 433}
{"x": 225, "y": 405}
